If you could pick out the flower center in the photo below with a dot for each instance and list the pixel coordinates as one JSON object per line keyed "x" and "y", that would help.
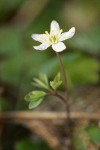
{"x": 53, "y": 38}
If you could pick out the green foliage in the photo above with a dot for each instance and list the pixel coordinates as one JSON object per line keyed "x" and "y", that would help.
{"x": 41, "y": 82}
{"x": 6, "y": 7}
{"x": 88, "y": 42}
{"x": 94, "y": 133}
{"x": 82, "y": 70}
{"x": 28, "y": 145}
{"x": 79, "y": 68}
{"x": 25, "y": 145}
{"x": 35, "y": 98}
{"x": 80, "y": 139}
{"x": 56, "y": 82}
{"x": 43, "y": 77}
{"x": 84, "y": 136}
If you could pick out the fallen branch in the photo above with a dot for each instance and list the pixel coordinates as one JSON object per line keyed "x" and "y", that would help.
{"x": 29, "y": 115}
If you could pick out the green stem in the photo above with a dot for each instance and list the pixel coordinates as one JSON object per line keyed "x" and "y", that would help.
{"x": 64, "y": 80}
{"x": 66, "y": 98}
{"x": 63, "y": 74}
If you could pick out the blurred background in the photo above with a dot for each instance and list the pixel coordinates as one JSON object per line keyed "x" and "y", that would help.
{"x": 19, "y": 62}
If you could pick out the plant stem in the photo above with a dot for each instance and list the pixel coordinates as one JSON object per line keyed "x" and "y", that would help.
{"x": 66, "y": 98}
{"x": 54, "y": 93}
{"x": 64, "y": 80}
{"x": 63, "y": 74}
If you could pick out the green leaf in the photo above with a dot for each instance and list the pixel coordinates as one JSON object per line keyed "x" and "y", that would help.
{"x": 34, "y": 104}
{"x": 43, "y": 77}
{"x": 55, "y": 85}
{"x": 42, "y": 81}
{"x": 94, "y": 133}
{"x": 35, "y": 98}
{"x": 34, "y": 95}
{"x": 56, "y": 82}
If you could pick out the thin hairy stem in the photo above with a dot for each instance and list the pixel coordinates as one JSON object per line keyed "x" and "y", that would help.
{"x": 66, "y": 98}
{"x": 64, "y": 81}
{"x": 63, "y": 73}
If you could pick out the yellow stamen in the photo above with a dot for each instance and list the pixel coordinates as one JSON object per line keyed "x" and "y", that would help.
{"x": 51, "y": 39}
{"x": 46, "y": 32}
{"x": 61, "y": 30}
{"x": 56, "y": 41}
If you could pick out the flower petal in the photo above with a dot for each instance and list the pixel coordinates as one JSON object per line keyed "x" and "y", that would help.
{"x": 40, "y": 37}
{"x": 58, "y": 47}
{"x": 54, "y": 27}
{"x": 67, "y": 35}
{"x": 42, "y": 46}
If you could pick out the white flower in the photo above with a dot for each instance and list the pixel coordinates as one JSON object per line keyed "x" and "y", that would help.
{"x": 54, "y": 38}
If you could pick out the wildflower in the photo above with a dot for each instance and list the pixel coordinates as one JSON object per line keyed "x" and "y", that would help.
{"x": 54, "y": 38}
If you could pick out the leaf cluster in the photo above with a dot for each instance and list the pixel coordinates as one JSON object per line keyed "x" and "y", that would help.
{"x": 36, "y": 97}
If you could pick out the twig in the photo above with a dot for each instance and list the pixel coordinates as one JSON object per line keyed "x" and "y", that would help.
{"x": 29, "y": 115}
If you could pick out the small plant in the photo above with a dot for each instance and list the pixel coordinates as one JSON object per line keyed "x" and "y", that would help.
{"x": 54, "y": 39}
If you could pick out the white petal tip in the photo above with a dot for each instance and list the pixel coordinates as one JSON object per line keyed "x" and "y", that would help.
{"x": 35, "y": 47}
{"x": 54, "y": 21}
{"x": 72, "y": 29}
{"x": 32, "y": 36}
